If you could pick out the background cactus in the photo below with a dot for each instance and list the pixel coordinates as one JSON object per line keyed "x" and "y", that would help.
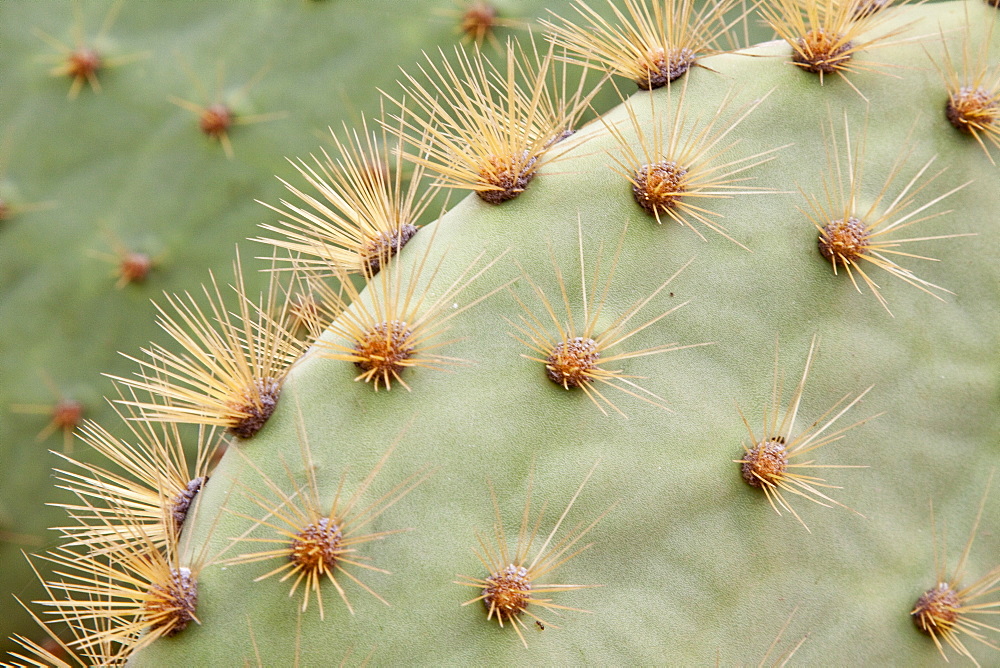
{"x": 695, "y": 566}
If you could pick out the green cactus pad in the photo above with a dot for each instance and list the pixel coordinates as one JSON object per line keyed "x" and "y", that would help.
{"x": 694, "y": 565}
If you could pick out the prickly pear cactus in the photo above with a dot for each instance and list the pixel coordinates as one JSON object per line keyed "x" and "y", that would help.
{"x": 681, "y": 395}
{"x": 120, "y": 180}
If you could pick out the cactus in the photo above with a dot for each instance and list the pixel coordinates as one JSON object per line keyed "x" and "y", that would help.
{"x": 111, "y": 194}
{"x": 603, "y": 448}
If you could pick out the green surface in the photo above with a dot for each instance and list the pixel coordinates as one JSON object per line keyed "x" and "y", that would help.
{"x": 696, "y": 568}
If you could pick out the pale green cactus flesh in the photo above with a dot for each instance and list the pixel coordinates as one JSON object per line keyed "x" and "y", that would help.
{"x": 693, "y": 564}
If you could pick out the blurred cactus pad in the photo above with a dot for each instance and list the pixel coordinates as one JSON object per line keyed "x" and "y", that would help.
{"x": 683, "y": 392}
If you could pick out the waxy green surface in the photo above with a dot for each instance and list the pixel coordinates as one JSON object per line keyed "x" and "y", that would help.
{"x": 696, "y": 568}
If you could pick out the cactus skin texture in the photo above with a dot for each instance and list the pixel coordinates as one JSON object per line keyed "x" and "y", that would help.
{"x": 125, "y": 165}
{"x": 695, "y": 566}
